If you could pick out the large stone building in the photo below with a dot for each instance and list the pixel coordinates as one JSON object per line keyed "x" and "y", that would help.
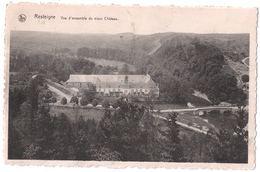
{"x": 113, "y": 85}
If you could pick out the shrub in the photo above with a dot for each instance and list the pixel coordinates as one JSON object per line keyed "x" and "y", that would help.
{"x": 63, "y": 101}
{"x": 106, "y": 104}
{"x": 53, "y": 99}
{"x": 227, "y": 113}
{"x": 214, "y": 113}
{"x": 245, "y": 78}
{"x": 89, "y": 93}
{"x": 211, "y": 131}
{"x": 74, "y": 99}
{"x": 98, "y": 97}
{"x": 94, "y": 103}
{"x": 48, "y": 94}
{"x": 83, "y": 101}
{"x": 45, "y": 86}
{"x": 134, "y": 98}
{"x": 115, "y": 104}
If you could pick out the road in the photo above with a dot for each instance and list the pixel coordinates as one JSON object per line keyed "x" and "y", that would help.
{"x": 59, "y": 93}
{"x": 197, "y": 109}
{"x": 184, "y": 125}
{"x": 243, "y": 61}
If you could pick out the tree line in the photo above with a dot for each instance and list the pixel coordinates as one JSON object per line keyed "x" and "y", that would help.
{"x": 56, "y": 68}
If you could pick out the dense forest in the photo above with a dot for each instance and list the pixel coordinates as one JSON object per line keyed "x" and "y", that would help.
{"x": 129, "y": 133}
{"x": 56, "y": 68}
{"x": 192, "y": 66}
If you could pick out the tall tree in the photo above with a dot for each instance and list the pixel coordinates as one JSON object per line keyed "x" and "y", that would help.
{"x": 172, "y": 139}
{"x": 124, "y": 70}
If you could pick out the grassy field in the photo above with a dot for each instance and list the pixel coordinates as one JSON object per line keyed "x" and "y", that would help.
{"x": 239, "y": 68}
{"x": 74, "y": 113}
{"x": 113, "y": 63}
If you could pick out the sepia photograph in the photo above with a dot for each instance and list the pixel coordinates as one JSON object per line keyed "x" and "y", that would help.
{"x": 106, "y": 86}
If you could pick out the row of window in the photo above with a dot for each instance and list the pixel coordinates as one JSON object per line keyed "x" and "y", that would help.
{"x": 119, "y": 90}
{"x": 132, "y": 90}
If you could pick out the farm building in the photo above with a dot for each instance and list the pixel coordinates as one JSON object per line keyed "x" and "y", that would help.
{"x": 112, "y": 85}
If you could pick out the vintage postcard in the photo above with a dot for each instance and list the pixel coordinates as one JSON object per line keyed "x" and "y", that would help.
{"x": 130, "y": 86}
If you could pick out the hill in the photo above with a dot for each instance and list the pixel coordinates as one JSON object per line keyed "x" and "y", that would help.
{"x": 236, "y": 46}
{"x": 179, "y": 62}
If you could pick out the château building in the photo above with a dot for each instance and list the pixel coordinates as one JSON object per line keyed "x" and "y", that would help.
{"x": 115, "y": 85}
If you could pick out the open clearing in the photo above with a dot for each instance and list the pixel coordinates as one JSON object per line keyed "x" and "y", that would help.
{"x": 113, "y": 63}
{"x": 74, "y": 113}
{"x": 239, "y": 68}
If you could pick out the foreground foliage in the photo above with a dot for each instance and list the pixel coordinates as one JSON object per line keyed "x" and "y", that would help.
{"x": 127, "y": 133}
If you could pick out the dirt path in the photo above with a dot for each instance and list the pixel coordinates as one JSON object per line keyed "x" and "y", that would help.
{"x": 59, "y": 93}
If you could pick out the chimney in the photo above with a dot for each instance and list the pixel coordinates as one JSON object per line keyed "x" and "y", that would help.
{"x": 126, "y": 80}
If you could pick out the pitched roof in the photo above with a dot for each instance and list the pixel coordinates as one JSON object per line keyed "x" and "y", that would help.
{"x": 82, "y": 78}
{"x": 122, "y": 85}
{"x": 109, "y": 84}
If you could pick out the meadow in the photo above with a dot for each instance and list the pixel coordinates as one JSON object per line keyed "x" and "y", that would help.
{"x": 112, "y": 63}
{"x": 76, "y": 112}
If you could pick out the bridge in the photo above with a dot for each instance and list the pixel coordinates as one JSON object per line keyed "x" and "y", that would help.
{"x": 198, "y": 110}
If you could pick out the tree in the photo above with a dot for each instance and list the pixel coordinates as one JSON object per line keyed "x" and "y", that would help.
{"x": 53, "y": 99}
{"x": 48, "y": 94}
{"x": 64, "y": 138}
{"x": 175, "y": 149}
{"x": 44, "y": 131}
{"x": 90, "y": 92}
{"x": 122, "y": 133}
{"x": 106, "y": 104}
{"x": 83, "y": 101}
{"x": 115, "y": 104}
{"x": 63, "y": 101}
{"x": 94, "y": 103}
{"x": 33, "y": 91}
{"x": 74, "y": 99}
{"x": 15, "y": 149}
{"x": 124, "y": 70}
{"x": 239, "y": 97}
{"x": 245, "y": 78}
{"x": 32, "y": 152}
